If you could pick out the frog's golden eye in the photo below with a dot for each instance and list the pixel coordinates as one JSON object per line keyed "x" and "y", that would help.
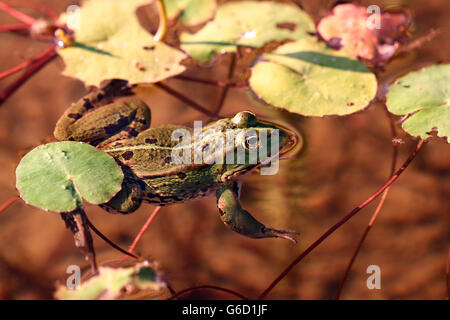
{"x": 251, "y": 142}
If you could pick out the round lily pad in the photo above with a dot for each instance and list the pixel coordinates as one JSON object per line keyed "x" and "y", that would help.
{"x": 424, "y": 95}
{"x": 56, "y": 176}
{"x": 111, "y": 44}
{"x": 247, "y": 23}
{"x": 190, "y": 12}
{"x": 308, "y": 78}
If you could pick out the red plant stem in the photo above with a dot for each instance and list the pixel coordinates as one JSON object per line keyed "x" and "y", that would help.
{"x": 25, "y": 64}
{"x": 17, "y": 14}
{"x": 14, "y": 27}
{"x": 108, "y": 241}
{"x": 224, "y": 91}
{"x": 7, "y": 203}
{"x": 361, "y": 241}
{"x": 143, "y": 229}
{"x": 342, "y": 221}
{"x": 38, "y": 6}
{"x": 185, "y": 99}
{"x": 221, "y": 84}
{"x": 377, "y": 210}
{"x": 25, "y": 76}
{"x": 184, "y": 291}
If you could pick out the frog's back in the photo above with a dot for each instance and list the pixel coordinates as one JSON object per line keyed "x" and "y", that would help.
{"x": 150, "y": 153}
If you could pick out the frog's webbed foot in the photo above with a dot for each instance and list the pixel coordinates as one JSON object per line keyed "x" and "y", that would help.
{"x": 274, "y": 233}
{"x": 240, "y": 220}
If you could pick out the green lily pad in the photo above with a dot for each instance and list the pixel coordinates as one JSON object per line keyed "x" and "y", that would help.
{"x": 112, "y": 283}
{"x": 308, "y": 78}
{"x": 111, "y": 44}
{"x": 247, "y": 23}
{"x": 56, "y": 176}
{"x": 425, "y": 95}
{"x": 190, "y": 12}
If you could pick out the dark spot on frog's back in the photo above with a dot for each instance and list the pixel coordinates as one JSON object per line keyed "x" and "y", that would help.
{"x": 167, "y": 160}
{"x": 113, "y": 128}
{"x": 132, "y": 131}
{"x": 181, "y": 175}
{"x": 87, "y": 104}
{"x": 152, "y": 141}
{"x": 127, "y": 155}
{"x": 75, "y": 116}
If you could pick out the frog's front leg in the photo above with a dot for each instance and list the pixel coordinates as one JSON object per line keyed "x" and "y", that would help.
{"x": 99, "y": 125}
{"x": 240, "y": 220}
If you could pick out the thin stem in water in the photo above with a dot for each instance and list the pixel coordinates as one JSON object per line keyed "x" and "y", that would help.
{"x": 341, "y": 222}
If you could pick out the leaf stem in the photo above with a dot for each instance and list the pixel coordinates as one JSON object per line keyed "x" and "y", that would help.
{"x": 14, "y": 27}
{"x": 108, "y": 241}
{"x": 8, "y": 202}
{"x": 377, "y": 210}
{"x": 162, "y": 27}
{"x": 183, "y": 98}
{"x": 342, "y": 221}
{"x": 184, "y": 291}
{"x": 26, "y": 75}
{"x": 16, "y": 14}
{"x": 221, "y": 84}
{"x": 224, "y": 91}
{"x": 25, "y": 64}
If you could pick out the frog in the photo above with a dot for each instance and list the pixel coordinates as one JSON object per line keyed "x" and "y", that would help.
{"x": 145, "y": 155}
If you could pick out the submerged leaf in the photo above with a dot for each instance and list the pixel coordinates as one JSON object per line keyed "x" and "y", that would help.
{"x": 308, "y": 78}
{"x": 425, "y": 95}
{"x": 361, "y": 32}
{"x": 56, "y": 176}
{"x": 190, "y": 12}
{"x": 247, "y": 23}
{"x": 112, "y": 283}
{"x": 111, "y": 44}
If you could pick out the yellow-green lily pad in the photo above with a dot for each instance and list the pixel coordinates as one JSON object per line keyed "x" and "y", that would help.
{"x": 57, "y": 176}
{"x": 424, "y": 95}
{"x": 308, "y": 78}
{"x": 112, "y": 283}
{"x": 247, "y": 23}
{"x": 190, "y": 12}
{"x": 111, "y": 44}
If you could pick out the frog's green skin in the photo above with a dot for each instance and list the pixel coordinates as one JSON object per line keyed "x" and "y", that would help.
{"x": 144, "y": 154}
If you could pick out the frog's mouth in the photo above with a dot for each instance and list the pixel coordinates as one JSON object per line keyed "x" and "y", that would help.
{"x": 292, "y": 146}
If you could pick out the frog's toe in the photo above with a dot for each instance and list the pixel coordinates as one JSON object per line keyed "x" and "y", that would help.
{"x": 270, "y": 232}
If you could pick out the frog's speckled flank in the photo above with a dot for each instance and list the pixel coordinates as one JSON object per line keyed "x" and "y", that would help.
{"x": 145, "y": 155}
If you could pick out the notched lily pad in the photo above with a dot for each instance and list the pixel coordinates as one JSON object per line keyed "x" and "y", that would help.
{"x": 247, "y": 23}
{"x": 351, "y": 28}
{"x": 190, "y": 12}
{"x": 308, "y": 78}
{"x": 113, "y": 283}
{"x": 56, "y": 176}
{"x": 424, "y": 95}
{"x": 111, "y": 44}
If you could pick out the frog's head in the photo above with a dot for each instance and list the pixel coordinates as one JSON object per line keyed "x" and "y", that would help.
{"x": 252, "y": 143}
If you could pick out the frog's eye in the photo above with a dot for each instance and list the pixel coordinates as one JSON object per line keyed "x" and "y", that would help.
{"x": 251, "y": 142}
{"x": 244, "y": 119}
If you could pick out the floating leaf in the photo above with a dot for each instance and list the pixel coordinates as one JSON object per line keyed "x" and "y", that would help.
{"x": 111, "y": 44}
{"x": 112, "y": 283}
{"x": 190, "y": 12}
{"x": 308, "y": 78}
{"x": 247, "y": 23}
{"x": 353, "y": 28}
{"x": 425, "y": 95}
{"x": 56, "y": 176}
